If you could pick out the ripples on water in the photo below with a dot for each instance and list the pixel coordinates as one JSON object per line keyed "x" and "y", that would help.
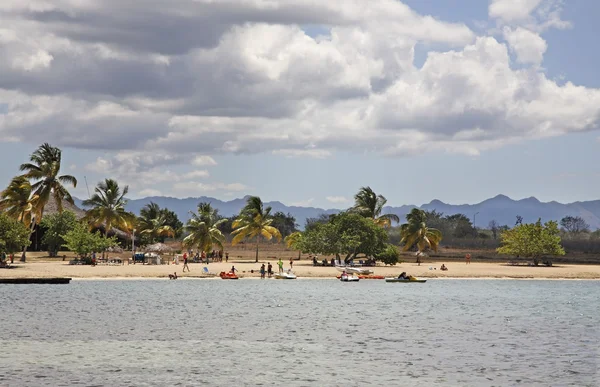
{"x": 300, "y": 333}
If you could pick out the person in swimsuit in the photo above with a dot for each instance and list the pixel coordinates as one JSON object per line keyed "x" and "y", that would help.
{"x": 262, "y": 271}
{"x": 269, "y": 270}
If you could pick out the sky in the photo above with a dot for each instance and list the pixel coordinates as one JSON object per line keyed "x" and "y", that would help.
{"x": 305, "y": 101}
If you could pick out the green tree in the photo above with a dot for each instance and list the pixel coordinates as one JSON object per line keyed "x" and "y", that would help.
{"x": 203, "y": 229}
{"x": 83, "y": 242}
{"x": 461, "y": 226}
{"x": 153, "y": 223}
{"x": 294, "y": 241}
{"x": 18, "y": 202}
{"x": 56, "y": 226}
{"x": 416, "y": 233}
{"x": 532, "y": 240}
{"x": 286, "y": 224}
{"x": 171, "y": 219}
{"x": 44, "y": 170}
{"x": 346, "y": 234}
{"x": 254, "y": 221}
{"x": 108, "y": 207}
{"x": 13, "y": 234}
{"x": 389, "y": 256}
{"x": 370, "y": 205}
{"x": 575, "y": 225}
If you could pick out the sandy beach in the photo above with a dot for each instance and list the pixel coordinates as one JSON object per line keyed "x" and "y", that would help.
{"x": 303, "y": 269}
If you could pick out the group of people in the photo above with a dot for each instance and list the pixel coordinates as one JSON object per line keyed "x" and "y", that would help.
{"x": 266, "y": 271}
{"x": 4, "y": 259}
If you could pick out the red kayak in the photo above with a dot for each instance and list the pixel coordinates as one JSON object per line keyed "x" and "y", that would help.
{"x": 379, "y": 277}
{"x": 225, "y": 275}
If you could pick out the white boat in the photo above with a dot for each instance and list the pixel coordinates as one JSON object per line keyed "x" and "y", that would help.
{"x": 354, "y": 270}
{"x": 285, "y": 275}
{"x": 349, "y": 278}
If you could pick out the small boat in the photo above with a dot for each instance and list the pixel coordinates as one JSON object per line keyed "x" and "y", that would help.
{"x": 354, "y": 270}
{"x": 378, "y": 277}
{"x": 228, "y": 275}
{"x": 286, "y": 275}
{"x": 410, "y": 279}
{"x": 349, "y": 278}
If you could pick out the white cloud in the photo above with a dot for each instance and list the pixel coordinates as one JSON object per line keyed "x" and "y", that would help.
{"x": 528, "y": 46}
{"x": 201, "y": 161}
{"x": 512, "y": 10}
{"x": 337, "y": 199}
{"x": 304, "y": 203}
{"x": 161, "y": 100}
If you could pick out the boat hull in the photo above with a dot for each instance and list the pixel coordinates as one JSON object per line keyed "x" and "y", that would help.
{"x": 284, "y": 276}
{"x": 224, "y": 275}
{"x": 396, "y": 280}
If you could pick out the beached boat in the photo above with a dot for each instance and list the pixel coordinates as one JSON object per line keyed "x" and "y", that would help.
{"x": 228, "y": 275}
{"x": 354, "y": 270}
{"x": 349, "y": 278}
{"x": 286, "y": 275}
{"x": 411, "y": 279}
{"x": 377, "y": 277}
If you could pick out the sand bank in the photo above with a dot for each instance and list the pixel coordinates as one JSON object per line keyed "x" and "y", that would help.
{"x": 301, "y": 268}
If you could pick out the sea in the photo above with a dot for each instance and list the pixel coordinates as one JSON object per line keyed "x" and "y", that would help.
{"x": 304, "y": 332}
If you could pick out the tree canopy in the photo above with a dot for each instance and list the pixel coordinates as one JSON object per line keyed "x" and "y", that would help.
{"x": 83, "y": 242}
{"x": 532, "y": 240}
{"x": 370, "y": 205}
{"x": 56, "y": 226}
{"x": 346, "y": 234}
{"x": 203, "y": 229}
{"x": 13, "y": 234}
{"x": 574, "y": 224}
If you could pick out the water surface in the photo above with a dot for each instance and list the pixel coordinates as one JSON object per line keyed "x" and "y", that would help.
{"x": 300, "y": 333}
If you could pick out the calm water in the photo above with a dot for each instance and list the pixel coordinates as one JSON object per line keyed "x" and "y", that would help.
{"x": 300, "y": 333}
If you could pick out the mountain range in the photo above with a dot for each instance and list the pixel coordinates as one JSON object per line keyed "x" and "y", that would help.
{"x": 500, "y": 208}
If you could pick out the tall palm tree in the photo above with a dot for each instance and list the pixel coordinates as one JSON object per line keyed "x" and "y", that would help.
{"x": 108, "y": 207}
{"x": 254, "y": 221}
{"x": 18, "y": 202}
{"x": 44, "y": 170}
{"x": 416, "y": 232}
{"x": 370, "y": 205}
{"x": 203, "y": 228}
{"x": 152, "y": 222}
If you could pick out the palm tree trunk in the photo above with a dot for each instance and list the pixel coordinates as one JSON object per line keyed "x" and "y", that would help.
{"x": 24, "y": 254}
{"x": 257, "y": 241}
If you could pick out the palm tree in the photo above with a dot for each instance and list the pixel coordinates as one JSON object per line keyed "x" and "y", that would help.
{"x": 18, "y": 202}
{"x": 416, "y": 232}
{"x": 293, "y": 241}
{"x": 44, "y": 169}
{"x": 152, "y": 222}
{"x": 368, "y": 204}
{"x": 203, "y": 228}
{"x": 108, "y": 207}
{"x": 254, "y": 221}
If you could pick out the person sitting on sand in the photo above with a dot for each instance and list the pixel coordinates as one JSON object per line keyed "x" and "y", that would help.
{"x": 444, "y": 268}
{"x": 173, "y": 276}
{"x": 403, "y": 276}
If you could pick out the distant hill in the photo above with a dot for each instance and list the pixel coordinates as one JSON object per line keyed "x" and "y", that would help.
{"x": 502, "y": 209}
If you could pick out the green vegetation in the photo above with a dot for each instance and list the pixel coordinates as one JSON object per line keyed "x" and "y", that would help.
{"x": 203, "y": 229}
{"x": 56, "y": 226}
{"x": 346, "y": 234}
{"x": 153, "y": 223}
{"x": 533, "y": 240}
{"x": 13, "y": 234}
{"x": 108, "y": 207}
{"x": 83, "y": 242}
{"x": 417, "y": 233}
{"x": 389, "y": 256}
{"x": 254, "y": 221}
{"x": 370, "y": 205}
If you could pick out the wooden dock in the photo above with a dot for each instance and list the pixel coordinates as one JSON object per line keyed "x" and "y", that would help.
{"x": 47, "y": 281}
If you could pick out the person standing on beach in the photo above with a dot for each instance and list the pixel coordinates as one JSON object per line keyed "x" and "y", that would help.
{"x": 226, "y": 257}
{"x": 291, "y": 263}
{"x": 468, "y": 259}
{"x": 262, "y": 271}
{"x": 269, "y": 270}
{"x": 280, "y": 264}
{"x": 185, "y": 262}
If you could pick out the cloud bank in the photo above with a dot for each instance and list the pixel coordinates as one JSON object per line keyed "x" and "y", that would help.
{"x": 159, "y": 84}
